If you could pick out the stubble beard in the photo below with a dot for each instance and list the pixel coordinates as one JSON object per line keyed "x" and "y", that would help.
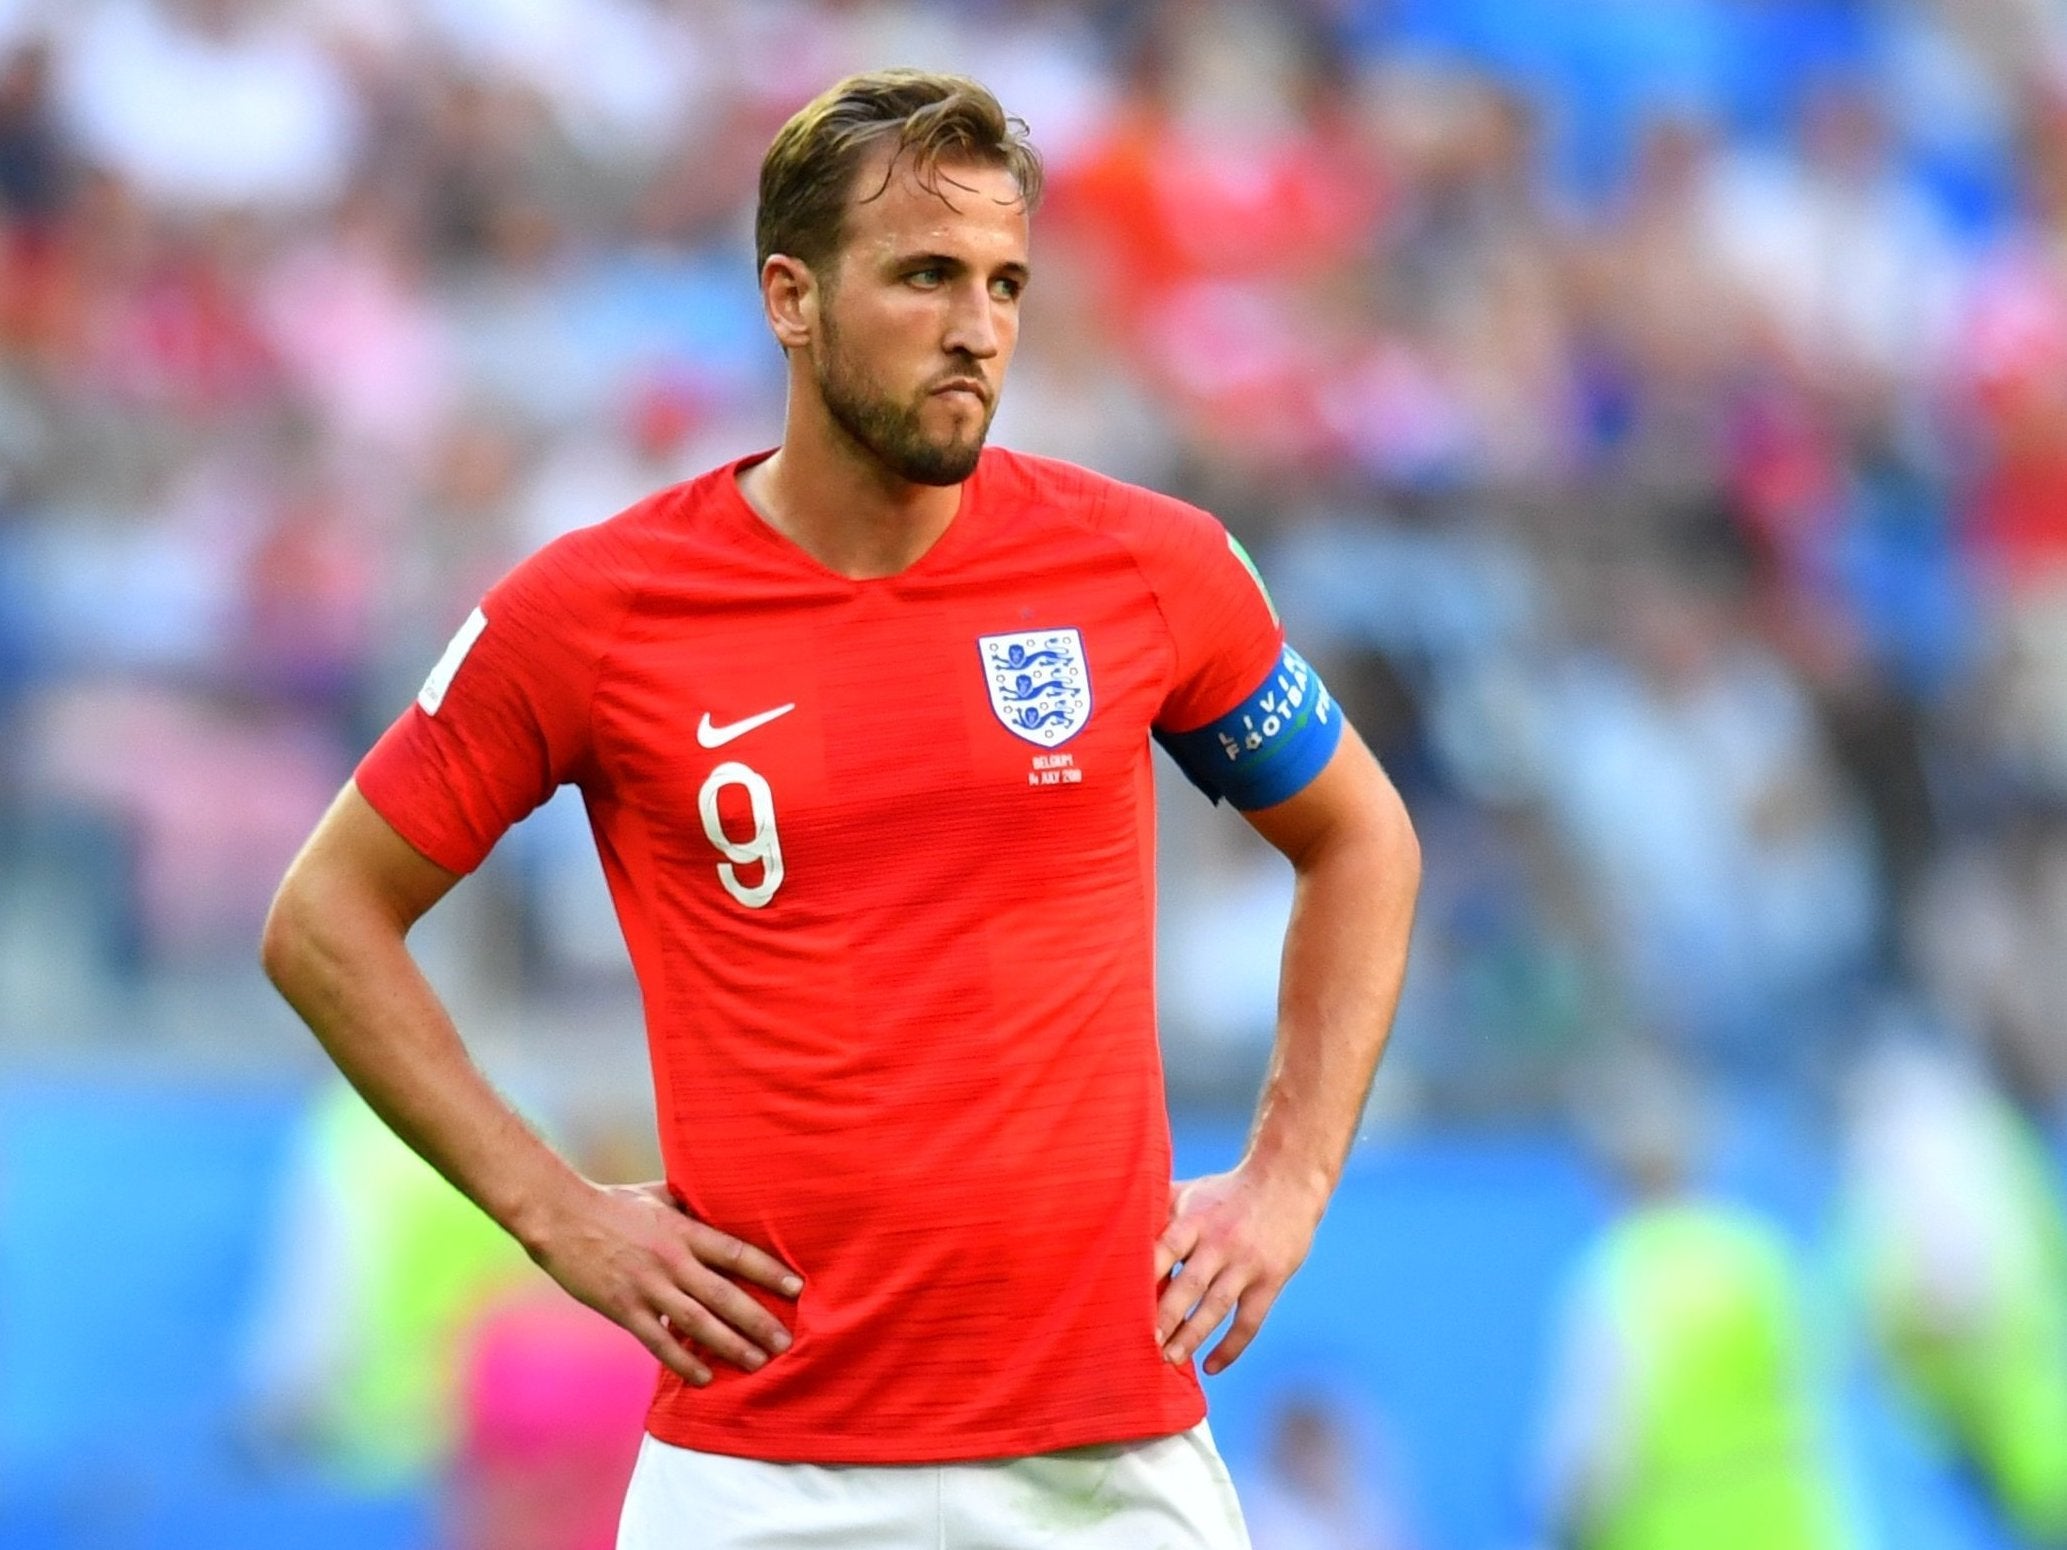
{"x": 892, "y": 433}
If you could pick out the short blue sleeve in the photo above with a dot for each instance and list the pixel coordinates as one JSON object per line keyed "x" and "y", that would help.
{"x": 1270, "y": 745}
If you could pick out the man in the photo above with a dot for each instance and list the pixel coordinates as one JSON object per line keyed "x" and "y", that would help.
{"x": 376, "y": 1269}
{"x": 1957, "y": 1246}
{"x": 1685, "y": 1414}
{"x": 862, "y": 726}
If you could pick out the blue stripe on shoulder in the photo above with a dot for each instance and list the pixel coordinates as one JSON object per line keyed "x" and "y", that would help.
{"x": 1268, "y": 747}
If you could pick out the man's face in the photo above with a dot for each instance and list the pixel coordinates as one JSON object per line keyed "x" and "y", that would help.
{"x": 919, "y": 314}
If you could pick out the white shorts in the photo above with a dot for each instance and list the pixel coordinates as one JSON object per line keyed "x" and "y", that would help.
{"x": 1170, "y": 1493}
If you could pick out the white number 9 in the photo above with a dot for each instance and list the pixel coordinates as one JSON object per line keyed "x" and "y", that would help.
{"x": 764, "y": 847}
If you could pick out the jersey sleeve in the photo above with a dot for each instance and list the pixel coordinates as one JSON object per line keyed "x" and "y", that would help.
{"x": 1222, "y": 626}
{"x": 1245, "y": 717}
{"x": 503, "y": 720}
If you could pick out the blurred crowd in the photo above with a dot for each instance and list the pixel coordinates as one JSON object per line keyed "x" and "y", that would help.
{"x": 1652, "y": 416}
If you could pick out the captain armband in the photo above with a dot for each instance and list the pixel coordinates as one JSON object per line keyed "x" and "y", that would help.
{"x": 1268, "y": 747}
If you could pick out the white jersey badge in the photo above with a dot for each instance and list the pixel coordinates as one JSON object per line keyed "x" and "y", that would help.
{"x": 1039, "y": 683}
{"x": 432, "y": 694}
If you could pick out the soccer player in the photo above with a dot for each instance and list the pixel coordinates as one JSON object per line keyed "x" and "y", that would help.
{"x": 863, "y": 729}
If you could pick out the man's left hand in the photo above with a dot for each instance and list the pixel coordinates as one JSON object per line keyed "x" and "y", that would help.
{"x": 1239, "y": 1236}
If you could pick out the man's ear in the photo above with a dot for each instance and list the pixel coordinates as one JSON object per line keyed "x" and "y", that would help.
{"x": 790, "y": 296}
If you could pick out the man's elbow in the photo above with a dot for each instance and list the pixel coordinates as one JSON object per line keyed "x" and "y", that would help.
{"x": 1389, "y": 848}
{"x": 1403, "y": 845}
{"x": 284, "y": 937}
{"x": 313, "y": 906}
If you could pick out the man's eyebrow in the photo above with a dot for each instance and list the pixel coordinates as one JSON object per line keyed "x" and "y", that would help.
{"x": 1011, "y": 268}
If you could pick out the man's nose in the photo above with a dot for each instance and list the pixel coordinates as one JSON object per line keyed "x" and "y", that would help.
{"x": 972, "y": 327}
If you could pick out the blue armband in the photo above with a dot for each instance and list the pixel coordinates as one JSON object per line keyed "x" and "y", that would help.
{"x": 1268, "y": 747}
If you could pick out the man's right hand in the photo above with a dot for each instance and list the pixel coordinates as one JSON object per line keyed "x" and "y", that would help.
{"x": 634, "y": 1255}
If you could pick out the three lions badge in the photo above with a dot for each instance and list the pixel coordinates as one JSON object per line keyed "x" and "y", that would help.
{"x": 1039, "y": 684}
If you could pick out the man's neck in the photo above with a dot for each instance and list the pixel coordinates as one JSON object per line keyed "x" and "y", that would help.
{"x": 843, "y": 508}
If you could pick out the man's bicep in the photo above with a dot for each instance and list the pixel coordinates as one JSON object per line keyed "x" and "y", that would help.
{"x": 355, "y": 848}
{"x": 1351, "y": 794}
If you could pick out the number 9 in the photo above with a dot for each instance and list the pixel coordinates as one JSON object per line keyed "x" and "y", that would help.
{"x": 764, "y": 847}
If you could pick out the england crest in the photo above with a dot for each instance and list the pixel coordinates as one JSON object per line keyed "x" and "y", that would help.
{"x": 1040, "y": 685}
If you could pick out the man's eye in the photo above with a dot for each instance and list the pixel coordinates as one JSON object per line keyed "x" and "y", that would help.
{"x": 1006, "y": 290}
{"x": 927, "y": 277}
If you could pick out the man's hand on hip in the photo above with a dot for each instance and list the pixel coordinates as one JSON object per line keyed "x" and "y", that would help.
{"x": 1238, "y": 1236}
{"x": 634, "y": 1255}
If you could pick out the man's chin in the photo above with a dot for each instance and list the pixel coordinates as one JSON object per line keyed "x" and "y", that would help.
{"x": 946, "y": 465}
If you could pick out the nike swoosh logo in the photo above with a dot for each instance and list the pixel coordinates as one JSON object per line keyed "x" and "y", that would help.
{"x": 709, "y": 736}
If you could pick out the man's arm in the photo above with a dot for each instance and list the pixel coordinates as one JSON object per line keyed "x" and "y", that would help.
{"x": 335, "y": 947}
{"x": 1239, "y": 1236}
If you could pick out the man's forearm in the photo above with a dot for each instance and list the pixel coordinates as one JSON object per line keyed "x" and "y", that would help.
{"x": 335, "y": 947}
{"x": 1345, "y": 957}
{"x": 343, "y": 965}
{"x": 1239, "y": 1237}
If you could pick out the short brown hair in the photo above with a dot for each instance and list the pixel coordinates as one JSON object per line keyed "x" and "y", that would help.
{"x": 809, "y": 169}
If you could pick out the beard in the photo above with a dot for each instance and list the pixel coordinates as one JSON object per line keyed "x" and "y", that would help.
{"x": 894, "y": 433}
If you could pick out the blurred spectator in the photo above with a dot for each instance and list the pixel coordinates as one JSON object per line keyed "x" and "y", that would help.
{"x": 642, "y": 452}
{"x": 208, "y": 104}
{"x": 1684, "y": 1414}
{"x": 626, "y": 80}
{"x": 1691, "y": 778}
{"x": 553, "y": 1400}
{"x": 314, "y": 315}
{"x": 196, "y": 823}
{"x": 1653, "y": 416}
{"x": 1222, "y": 188}
{"x": 1988, "y": 930}
{"x": 33, "y": 170}
{"x": 1961, "y": 1245}
{"x": 1314, "y": 1493}
{"x": 2012, "y": 370}
{"x": 1505, "y": 996}
{"x": 377, "y": 1266}
{"x": 350, "y": 316}
{"x": 1849, "y": 264}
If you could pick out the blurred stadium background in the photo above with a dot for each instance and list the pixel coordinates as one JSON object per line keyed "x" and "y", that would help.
{"x": 1652, "y": 414}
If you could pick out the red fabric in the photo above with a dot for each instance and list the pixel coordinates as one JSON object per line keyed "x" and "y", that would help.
{"x": 1214, "y": 253}
{"x": 924, "y": 1073}
{"x": 2016, "y": 367}
{"x": 2020, "y": 513}
{"x": 1170, "y": 203}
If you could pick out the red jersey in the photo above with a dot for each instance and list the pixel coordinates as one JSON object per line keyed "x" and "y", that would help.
{"x": 883, "y": 855}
